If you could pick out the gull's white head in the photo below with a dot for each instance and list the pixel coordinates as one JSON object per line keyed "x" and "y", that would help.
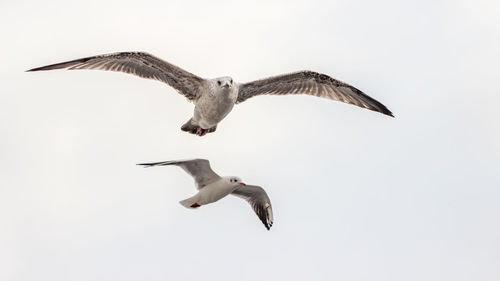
{"x": 224, "y": 82}
{"x": 234, "y": 180}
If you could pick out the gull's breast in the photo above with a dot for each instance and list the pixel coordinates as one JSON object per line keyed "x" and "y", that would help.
{"x": 212, "y": 108}
{"x": 215, "y": 191}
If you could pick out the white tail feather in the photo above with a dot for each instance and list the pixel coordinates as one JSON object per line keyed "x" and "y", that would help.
{"x": 188, "y": 203}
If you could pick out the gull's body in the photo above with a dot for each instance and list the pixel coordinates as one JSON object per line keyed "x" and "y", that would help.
{"x": 215, "y": 98}
{"x": 216, "y": 104}
{"x": 212, "y": 187}
{"x": 211, "y": 193}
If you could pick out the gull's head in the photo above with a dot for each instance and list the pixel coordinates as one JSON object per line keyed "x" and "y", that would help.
{"x": 224, "y": 82}
{"x": 235, "y": 181}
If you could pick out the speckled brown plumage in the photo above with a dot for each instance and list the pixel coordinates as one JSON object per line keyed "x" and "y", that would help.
{"x": 310, "y": 83}
{"x": 215, "y": 98}
{"x": 141, "y": 64}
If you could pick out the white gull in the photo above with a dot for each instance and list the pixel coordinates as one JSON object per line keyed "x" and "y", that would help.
{"x": 211, "y": 188}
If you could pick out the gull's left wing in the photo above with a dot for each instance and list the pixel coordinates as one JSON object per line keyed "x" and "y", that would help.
{"x": 257, "y": 197}
{"x": 310, "y": 83}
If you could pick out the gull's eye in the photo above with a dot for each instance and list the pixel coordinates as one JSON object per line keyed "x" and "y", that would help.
{"x": 218, "y": 82}
{"x": 231, "y": 81}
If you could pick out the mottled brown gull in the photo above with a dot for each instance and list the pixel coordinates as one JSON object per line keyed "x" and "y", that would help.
{"x": 215, "y": 98}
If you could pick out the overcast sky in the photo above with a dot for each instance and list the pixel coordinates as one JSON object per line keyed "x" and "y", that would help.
{"x": 356, "y": 195}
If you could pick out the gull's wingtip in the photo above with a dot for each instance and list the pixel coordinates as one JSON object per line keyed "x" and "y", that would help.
{"x": 38, "y": 69}
{"x": 384, "y": 110}
{"x": 390, "y": 114}
{"x": 268, "y": 226}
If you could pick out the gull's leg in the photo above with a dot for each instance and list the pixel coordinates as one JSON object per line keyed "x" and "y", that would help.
{"x": 192, "y": 127}
{"x": 200, "y": 131}
{"x": 211, "y": 130}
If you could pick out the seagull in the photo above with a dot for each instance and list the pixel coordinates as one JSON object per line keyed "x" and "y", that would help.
{"x": 215, "y": 98}
{"x": 212, "y": 187}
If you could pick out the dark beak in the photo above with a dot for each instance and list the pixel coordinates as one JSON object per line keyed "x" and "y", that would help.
{"x": 242, "y": 183}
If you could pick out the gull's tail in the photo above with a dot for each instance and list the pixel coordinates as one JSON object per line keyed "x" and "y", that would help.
{"x": 191, "y": 202}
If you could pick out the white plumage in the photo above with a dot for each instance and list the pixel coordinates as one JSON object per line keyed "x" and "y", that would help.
{"x": 211, "y": 188}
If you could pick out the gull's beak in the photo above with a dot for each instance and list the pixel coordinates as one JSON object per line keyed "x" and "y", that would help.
{"x": 242, "y": 183}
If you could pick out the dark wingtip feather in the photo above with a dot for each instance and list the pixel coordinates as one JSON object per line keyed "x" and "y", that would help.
{"x": 268, "y": 226}
{"x": 375, "y": 105}
{"x": 378, "y": 107}
{"x": 61, "y": 65}
{"x": 43, "y": 68}
{"x": 163, "y": 163}
{"x": 36, "y": 69}
{"x": 48, "y": 67}
{"x": 387, "y": 112}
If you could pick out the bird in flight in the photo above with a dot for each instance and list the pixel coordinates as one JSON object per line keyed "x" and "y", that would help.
{"x": 215, "y": 98}
{"x": 212, "y": 187}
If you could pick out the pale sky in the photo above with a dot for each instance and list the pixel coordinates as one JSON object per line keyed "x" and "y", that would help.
{"x": 356, "y": 195}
